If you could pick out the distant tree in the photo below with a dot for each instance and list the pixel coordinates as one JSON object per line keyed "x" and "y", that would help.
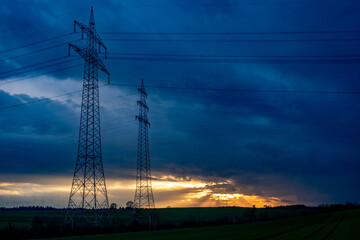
{"x": 130, "y": 205}
{"x": 113, "y": 206}
{"x": 168, "y": 207}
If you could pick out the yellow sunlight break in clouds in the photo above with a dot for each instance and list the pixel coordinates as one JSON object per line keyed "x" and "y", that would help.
{"x": 168, "y": 191}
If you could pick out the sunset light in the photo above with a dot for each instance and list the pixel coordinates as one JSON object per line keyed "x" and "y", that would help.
{"x": 188, "y": 191}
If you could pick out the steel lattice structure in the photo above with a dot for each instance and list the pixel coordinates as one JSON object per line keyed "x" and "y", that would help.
{"x": 144, "y": 197}
{"x": 88, "y": 197}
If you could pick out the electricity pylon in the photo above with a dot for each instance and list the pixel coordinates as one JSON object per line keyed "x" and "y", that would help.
{"x": 88, "y": 197}
{"x": 144, "y": 197}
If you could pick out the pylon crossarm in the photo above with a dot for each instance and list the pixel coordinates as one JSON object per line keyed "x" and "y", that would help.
{"x": 97, "y": 61}
{"x": 82, "y": 52}
{"x": 90, "y": 31}
{"x": 102, "y": 67}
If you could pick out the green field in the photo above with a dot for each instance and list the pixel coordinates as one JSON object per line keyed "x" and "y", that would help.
{"x": 237, "y": 223}
{"x": 338, "y": 225}
{"x": 176, "y": 216}
{"x": 21, "y": 219}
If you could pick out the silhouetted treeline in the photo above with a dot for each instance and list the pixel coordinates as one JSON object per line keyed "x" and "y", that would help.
{"x": 47, "y": 226}
{"x": 322, "y": 207}
{"x": 31, "y": 208}
{"x": 41, "y": 208}
{"x": 299, "y": 206}
{"x": 338, "y": 207}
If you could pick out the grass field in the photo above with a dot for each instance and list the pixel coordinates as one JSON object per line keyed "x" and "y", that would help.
{"x": 338, "y": 225}
{"x": 175, "y": 216}
{"x": 21, "y": 219}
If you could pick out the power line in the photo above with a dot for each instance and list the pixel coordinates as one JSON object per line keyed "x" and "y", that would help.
{"x": 236, "y": 33}
{"x": 246, "y": 102}
{"x": 233, "y": 56}
{"x": 37, "y": 75}
{"x": 233, "y": 40}
{"x": 34, "y": 65}
{"x": 196, "y": 89}
{"x": 35, "y": 43}
{"x": 238, "y": 60}
{"x": 36, "y": 51}
{"x": 114, "y": 131}
{"x": 190, "y": 88}
{"x": 232, "y": 4}
{"x": 252, "y": 132}
{"x": 273, "y": 118}
{"x": 181, "y": 124}
{"x": 243, "y": 90}
{"x": 38, "y": 100}
{"x": 48, "y": 98}
{"x": 39, "y": 50}
{"x": 44, "y": 116}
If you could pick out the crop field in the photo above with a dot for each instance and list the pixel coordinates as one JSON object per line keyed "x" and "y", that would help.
{"x": 20, "y": 219}
{"x": 337, "y": 225}
{"x": 202, "y": 223}
{"x": 176, "y": 216}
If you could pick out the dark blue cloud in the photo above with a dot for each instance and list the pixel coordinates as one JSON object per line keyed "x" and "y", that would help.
{"x": 35, "y": 139}
{"x": 285, "y": 144}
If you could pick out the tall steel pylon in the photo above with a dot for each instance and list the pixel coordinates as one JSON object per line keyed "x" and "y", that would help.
{"x": 144, "y": 197}
{"x": 88, "y": 197}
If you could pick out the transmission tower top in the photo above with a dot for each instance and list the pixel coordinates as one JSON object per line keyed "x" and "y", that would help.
{"x": 92, "y": 18}
{"x": 142, "y": 88}
{"x": 93, "y": 37}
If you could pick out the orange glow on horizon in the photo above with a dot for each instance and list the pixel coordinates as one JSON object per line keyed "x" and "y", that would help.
{"x": 174, "y": 192}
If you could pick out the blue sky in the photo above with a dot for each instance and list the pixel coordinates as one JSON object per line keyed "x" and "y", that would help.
{"x": 299, "y": 145}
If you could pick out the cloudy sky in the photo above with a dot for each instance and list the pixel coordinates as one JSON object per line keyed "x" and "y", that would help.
{"x": 251, "y": 101}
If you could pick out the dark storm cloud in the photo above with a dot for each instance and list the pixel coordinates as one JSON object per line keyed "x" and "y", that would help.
{"x": 29, "y": 120}
{"x": 33, "y": 140}
{"x": 268, "y": 142}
